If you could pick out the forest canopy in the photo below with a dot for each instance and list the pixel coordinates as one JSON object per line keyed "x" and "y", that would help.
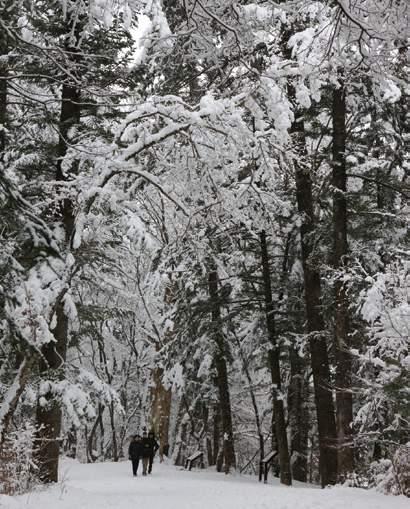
{"x": 204, "y": 211}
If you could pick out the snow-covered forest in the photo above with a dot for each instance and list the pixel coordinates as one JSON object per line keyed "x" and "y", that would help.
{"x": 204, "y": 212}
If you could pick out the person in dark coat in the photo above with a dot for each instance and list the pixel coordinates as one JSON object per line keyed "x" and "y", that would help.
{"x": 135, "y": 453}
{"x": 154, "y": 449}
{"x": 146, "y": 452}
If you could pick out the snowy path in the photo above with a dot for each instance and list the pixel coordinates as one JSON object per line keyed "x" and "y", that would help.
{"x": 111, "y": 486}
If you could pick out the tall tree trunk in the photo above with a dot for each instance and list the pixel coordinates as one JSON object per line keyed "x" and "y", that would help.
{"x": 222, "y": 373}
{"x": 315, "y": 324}
{"x": 344, "y": 409}
{"x": 298, "y": 416}
{"x": 48, "y": 416}
{"x": 111, "y": 411}
{"x": 12, "y": 396}
{"x": 3, "y": 94}
{"x": 160, "y": 409}
{"x": 48, "y": 413}
{"x": 8, "y": 12}
{"x": 274, "y": 364}
{"x": 298, "y": 391}
{"x": 161, "y": 396}
{"x": 316, "y": 330}
{"x": 91, "y": 443}
{"x": 216, "y": 435}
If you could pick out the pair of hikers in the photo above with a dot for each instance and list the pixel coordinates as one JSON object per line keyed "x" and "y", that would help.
{"x": 143, "y": 448}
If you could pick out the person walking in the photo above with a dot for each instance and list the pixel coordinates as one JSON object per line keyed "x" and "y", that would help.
{"x": 146, "y": 452}
{"x": 154, "y": 448}
{"x": 135, "y": 453}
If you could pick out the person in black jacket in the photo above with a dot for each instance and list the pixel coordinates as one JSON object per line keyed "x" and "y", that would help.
{"x": 146, "y": 452}
{"x": 154, "y": 449}
{"x": 135, "y": 453}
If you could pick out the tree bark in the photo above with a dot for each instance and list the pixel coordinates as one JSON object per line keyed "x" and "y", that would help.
{"x": 3, "y": 100}
{"x": 48, "y": 413}
{"x": 12, "y": 396}
{"x": 111, "y": 411}
{"x": 49, "y": 416}
{"x": 216, "y": 436}
{"x": 274, "y": 365}
{"x": 161, "y": 396}
{"x": 311, "y": 274}
{"x": 316, "y": 330}
{"x": 160, "y": 410}
{"x": 222, "y": 373}
{"x": 344, "y": 401}
{"x": 298, "y": 416}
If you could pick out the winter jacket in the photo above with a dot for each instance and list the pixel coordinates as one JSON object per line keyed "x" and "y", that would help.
{"x": 149, "y": 447}
{"x": 154, "y": 444}
{"x": 135, "y": 449}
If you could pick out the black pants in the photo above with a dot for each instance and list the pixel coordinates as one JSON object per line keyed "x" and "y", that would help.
{"x": 135, "y": 463}
{"x": 151, "y": 460}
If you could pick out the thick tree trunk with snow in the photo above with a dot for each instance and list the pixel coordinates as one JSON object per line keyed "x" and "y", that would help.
{"x": 48, "y": 416}
{"x": 48, "y": 413}
{"x": 274, "y": 365}
{"x": 344, "y": 403}
{"x": 222, "y": 373}
{"x": 161, "y": 396}
{"x": 160, "y": 409}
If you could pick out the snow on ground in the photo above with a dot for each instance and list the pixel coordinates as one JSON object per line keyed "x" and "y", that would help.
{"x": 111, "y": 486}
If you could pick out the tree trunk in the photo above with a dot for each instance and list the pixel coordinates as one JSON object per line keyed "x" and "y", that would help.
{"x": 180, "y": 442}
{"x": 316, "y": 330}
{"x": 12, "y": 396}
{"x": 274, "y": 365}
{"x": 298, "y": 416}
{"x": 344, "y": 409}
{"x": 216, "y": 436}
{"x": 222, "y": 373}
{"x": 92, "y": 438}
{"x": 311, "y": 274}
{"x": 3, "y": 97}
{"x": 6, "y": 13}
{"x": 48, "y": 413}
{"x": 111, "y": 410}
{"x": 161, "y": 410}
{"x": 48, "y": 416}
